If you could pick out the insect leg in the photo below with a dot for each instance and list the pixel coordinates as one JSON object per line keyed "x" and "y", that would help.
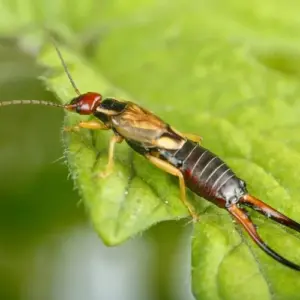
{"x": 93, "y": 125}
{"x": 173, "y": 171}
{"x": 241, "y": 216}
{"x": 110, "y": 164}
{"x": 193, "y": 137}
{"x": 269, "y": 212}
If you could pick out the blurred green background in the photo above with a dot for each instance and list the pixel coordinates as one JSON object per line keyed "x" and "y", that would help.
{"x": 240, "y": 58}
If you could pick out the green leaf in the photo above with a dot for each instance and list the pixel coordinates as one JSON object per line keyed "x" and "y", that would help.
{"x": 225, "y": 70}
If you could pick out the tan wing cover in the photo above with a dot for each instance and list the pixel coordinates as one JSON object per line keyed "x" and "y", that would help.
{"x": 140, "y": 125}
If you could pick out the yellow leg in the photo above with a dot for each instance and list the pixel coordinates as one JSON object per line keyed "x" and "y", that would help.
{"x": 193, "y": 137}
{"x": 93, "y": 125}
{"x": 110, "y": 164}
{"x": 173, "y": 171}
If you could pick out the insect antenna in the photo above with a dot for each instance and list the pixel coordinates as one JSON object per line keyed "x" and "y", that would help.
{"x": 241, "y": 216}
{"x": 42, "y": 102}
{"x": 38, "y": 102}
{"x": 66, "y": 69}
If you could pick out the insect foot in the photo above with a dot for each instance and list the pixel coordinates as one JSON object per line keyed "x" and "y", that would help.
{"x": 71, "y": 129}
{"x": 105, "y": 173}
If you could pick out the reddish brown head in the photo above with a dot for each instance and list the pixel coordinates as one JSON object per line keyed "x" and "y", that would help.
{"x": 85, "y": 104}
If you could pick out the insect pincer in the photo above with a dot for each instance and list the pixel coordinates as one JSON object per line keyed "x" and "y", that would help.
{"x": 85, "y": 104}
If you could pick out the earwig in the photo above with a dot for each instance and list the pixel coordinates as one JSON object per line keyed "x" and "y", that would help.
{"x": 178, "y": 154}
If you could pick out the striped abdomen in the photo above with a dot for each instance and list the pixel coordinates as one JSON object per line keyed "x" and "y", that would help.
{"x": 206, "y": 174}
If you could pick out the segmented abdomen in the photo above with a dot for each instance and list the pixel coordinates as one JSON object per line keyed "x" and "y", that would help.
{"x": 207, "y": 175}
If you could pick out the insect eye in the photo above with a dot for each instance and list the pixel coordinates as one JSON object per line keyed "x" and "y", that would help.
{"x": 78, "y": 108}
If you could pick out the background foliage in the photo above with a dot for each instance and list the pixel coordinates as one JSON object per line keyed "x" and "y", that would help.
{"x": 225, "y": 70}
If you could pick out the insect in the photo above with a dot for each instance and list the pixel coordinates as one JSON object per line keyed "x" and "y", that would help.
{"x": 174, "y": 152}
